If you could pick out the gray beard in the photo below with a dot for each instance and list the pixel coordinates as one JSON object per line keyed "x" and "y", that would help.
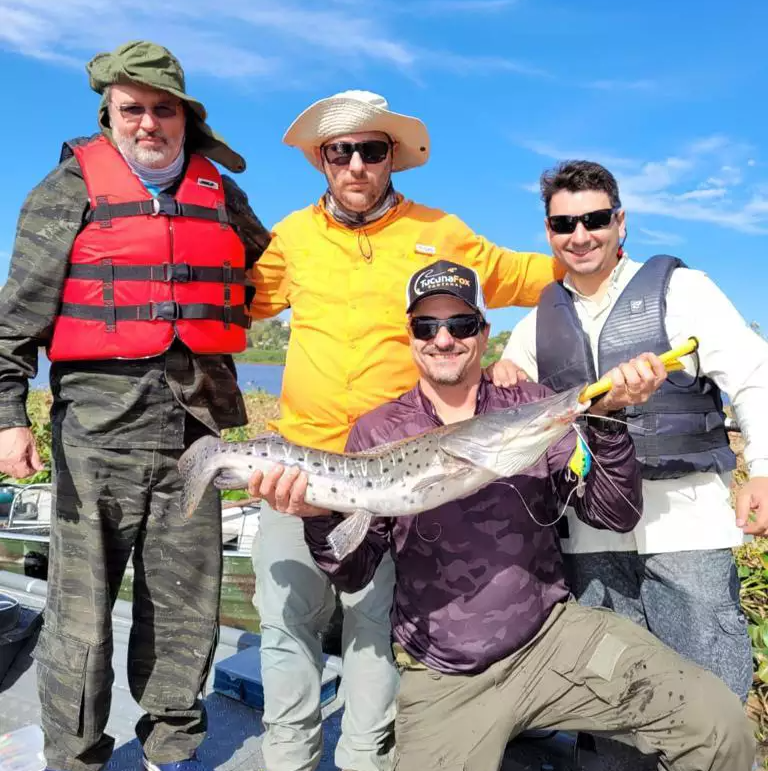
{"x": 146, "y": 156}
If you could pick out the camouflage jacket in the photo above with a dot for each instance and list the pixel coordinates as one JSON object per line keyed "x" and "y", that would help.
{"x": 478, "y": 577}
{"x": 114, "y": 403}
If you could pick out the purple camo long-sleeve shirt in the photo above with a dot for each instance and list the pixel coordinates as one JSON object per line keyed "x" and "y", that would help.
{"x": 478, "y": 577}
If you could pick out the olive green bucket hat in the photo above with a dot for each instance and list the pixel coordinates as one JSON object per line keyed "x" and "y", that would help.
{"x": 149, "y": 64}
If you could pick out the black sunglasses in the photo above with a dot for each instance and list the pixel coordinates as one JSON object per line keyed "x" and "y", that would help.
{"x": 136, "y": 111}
{"x": 371, "y": 151}
{"x": 592, "y": 220}
{"x": 460, "y": 327}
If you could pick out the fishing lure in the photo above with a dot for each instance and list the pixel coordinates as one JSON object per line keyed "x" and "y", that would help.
{"x": 580, "y": 463}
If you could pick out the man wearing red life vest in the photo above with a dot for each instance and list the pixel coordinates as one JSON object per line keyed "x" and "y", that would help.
{"x": 129, "y": 267}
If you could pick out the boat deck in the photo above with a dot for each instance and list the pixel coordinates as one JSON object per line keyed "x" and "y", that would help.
{"x": 235, "y": 730}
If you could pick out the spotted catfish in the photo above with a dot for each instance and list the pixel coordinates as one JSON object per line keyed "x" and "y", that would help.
{"x": 399, "y": 479}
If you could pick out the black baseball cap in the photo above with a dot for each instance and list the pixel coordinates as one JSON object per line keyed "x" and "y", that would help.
{"x": 445, "y": 277}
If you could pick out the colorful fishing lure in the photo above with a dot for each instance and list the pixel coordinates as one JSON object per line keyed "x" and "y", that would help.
{"x": 580, "y": 463}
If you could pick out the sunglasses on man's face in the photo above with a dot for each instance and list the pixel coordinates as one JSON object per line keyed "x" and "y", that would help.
{"x": 134, "y": 112}
{"x": 563, "y": 224}
{"x": 460, "y": 327}
{"x": 371, "y": 151}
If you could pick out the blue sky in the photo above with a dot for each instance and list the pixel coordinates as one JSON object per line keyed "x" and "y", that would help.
{"x": 669, "y": 95}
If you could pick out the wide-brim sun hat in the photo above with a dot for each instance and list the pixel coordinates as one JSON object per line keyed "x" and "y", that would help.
{"x": 351, "y": 112}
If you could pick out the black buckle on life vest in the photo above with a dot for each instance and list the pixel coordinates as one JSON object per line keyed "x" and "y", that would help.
{"x": 180, "y": 272}
{"x": 166, "y": 205}
{"x": 165, "y": 311}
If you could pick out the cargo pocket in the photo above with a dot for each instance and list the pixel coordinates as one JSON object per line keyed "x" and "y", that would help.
{"x": 595, "y": 669}
{"x": 61, "y": 678}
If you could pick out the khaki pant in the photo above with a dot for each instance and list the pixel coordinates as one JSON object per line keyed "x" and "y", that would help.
{"x": 295, "y": 600}
{"x": 587, "y": 670}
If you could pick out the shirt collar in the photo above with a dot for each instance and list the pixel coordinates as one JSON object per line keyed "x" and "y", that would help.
{"x": 483, "y": 395}
{"x": 615, "y": 278}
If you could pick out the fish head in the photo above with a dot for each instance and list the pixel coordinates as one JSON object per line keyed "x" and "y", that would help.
{"x": 510, "y": 440}
{"x": 545, "y": 420}
{"x": 559, "y": 410}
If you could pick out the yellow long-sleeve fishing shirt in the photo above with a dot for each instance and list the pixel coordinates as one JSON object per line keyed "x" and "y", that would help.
{"x": 349, "y": 349}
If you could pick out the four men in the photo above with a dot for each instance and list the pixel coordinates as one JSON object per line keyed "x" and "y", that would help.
{"x": 131, "y": 266}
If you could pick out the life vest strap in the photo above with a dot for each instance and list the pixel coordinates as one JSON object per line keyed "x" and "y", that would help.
{"x": 158, "y": 311}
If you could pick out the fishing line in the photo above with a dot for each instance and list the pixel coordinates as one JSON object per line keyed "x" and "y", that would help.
{"x": 575, "y": 488}
{"x": 528, "y": 509}
{"x": 423, "y": 537}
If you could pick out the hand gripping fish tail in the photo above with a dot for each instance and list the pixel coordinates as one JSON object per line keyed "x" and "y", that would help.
{"x": 400, "y": 479}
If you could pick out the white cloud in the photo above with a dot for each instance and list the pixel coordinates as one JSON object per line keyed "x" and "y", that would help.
{"x": 481, "y": 64}
{"x": 659, "y": 238}
{"x": 272, "y": 40}
{"x": 706, "y": 193}
{"x": 557, "y": 153}
{"x": 705, "y": 182}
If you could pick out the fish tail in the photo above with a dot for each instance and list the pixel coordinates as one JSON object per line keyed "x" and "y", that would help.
{"x": 197, "y": 473}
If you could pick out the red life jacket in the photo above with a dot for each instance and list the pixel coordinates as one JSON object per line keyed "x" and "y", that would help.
{"x": 144, "y": 269}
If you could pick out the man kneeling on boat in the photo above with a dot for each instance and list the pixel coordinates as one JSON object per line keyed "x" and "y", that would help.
{"x": 488, "y": 640}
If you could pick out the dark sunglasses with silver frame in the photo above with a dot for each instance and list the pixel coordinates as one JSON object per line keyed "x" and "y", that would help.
{"x": 461, "y": 326}
{"x": 371, "y": 151}
{"x": 563, "y": 224}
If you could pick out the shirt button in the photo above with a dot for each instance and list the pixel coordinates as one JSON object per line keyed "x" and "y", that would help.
{"x": 353, "y": 307}
{"x": 353, "y": 345}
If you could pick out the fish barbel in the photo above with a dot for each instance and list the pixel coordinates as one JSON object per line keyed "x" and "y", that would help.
{"x": 399, "y": 479}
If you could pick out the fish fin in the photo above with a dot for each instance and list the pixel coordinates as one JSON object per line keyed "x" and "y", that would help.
{"x": 347, "y": 536}
{"x": 436, "y": 479}
{"x": 195, "y": 474}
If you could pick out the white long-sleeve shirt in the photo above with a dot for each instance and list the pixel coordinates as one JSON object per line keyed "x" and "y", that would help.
{"x": 694, "y": 511}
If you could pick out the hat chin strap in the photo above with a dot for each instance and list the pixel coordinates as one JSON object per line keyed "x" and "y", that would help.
{"x": 354, "y": 219}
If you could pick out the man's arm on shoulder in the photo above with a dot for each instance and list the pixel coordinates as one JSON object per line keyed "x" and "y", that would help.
{"x": 357, "y": 569}
{"x": 521, "y": 346}
{"x": 50, "y": 219}
{"x": 509, "y": 277}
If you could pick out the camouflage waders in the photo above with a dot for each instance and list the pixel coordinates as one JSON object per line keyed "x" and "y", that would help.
{"x": 108, "y": 501}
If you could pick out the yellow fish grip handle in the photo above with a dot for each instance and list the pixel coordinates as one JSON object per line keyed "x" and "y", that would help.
{"x": 670, "y": 360}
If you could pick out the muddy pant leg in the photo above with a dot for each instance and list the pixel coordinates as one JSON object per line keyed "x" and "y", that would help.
{"x": 295, "y": 602}
{"x": 98, "y": 509}
{"x": 608, "y": 580}
{"x": 595, "y": 671}
{"x": 370, "y": 680}
{"x": 177, "y": 587}
{"x": 691, "y": 601}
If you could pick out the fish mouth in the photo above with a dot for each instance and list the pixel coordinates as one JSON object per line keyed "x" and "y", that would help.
{"x": 565, "y": 407}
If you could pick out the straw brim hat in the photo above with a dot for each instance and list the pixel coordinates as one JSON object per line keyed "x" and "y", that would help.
{"x": 357, "y": 111}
